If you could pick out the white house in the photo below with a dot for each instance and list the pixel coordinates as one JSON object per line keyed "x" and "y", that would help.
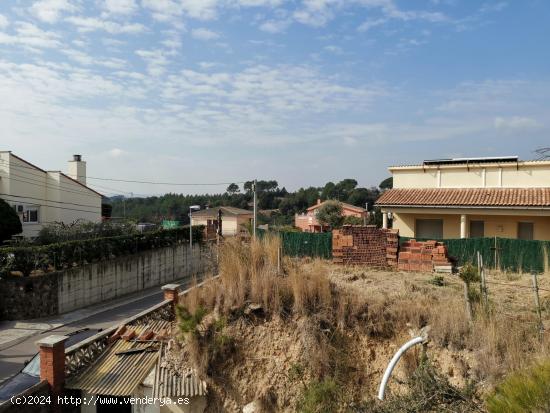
{"x": 41, "y": 197}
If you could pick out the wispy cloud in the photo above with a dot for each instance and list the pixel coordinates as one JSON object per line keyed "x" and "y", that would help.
{"x": 204, "y": 34}
{"x": 50, "y": 11}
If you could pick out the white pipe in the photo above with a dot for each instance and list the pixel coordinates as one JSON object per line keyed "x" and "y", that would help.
{"x": 393, "y": 362}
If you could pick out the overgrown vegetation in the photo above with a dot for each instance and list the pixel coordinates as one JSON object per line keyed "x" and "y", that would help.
{"x": 428, "y": 391}
{"x": 59, "y": 232}
{"x": 526, "y": 390}
{"x": 331, "y": 326}
{"x": 51, "y": 257}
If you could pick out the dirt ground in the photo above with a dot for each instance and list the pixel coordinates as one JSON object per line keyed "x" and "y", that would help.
{"x": 271, "y": 348}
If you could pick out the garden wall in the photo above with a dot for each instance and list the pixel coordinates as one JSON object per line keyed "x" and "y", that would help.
{"x": 63, "y": 291}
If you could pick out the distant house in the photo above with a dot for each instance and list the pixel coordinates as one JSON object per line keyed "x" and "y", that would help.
{"x": 40, "y": 196}
{"x": 470, "y": 197}
{"x": 308, "y": 222}
{"x": 233, "y": 219}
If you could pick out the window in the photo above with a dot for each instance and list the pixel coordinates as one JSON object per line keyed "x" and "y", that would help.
{"x": 525, "y": 230}
{"x": 27, "y": 213}
{"x": 477, "y": 229}
{"x": 429, "y": 228}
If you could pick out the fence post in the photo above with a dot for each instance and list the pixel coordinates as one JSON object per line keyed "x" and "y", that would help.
{"x": 537, "y": 303}
{"x": 468, "y": 303}
{"x": 483, "y": 283}
{"x": 279, "y": 258}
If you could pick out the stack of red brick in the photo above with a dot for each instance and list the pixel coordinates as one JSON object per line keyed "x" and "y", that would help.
{"x": 367, "y": 245}
{"x": 422, "y": 256}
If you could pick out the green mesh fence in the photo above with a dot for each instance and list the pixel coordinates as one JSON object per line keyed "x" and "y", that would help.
{"x": 304, "y": 244}
{"x": 514, "y": 255}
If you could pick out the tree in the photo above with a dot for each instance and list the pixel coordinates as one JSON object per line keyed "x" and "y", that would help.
{"x": 353, "y": 220}
{"x": 386, "y": 183}
{"x": 330, "y": 213}
{"x": 232, "y": 189}
{"x": 10, "y": 224}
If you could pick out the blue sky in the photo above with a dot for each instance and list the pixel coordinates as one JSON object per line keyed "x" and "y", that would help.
{"x": 301, "y": 91}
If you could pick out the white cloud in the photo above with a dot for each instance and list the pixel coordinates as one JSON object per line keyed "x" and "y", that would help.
{"x": 274, "y": 26}
{"x": 333, "y": 49}
{"x": 123, "y": 7}
{"x": 4, "y": 22}
{"x": 204, "y": 34}
{"x": 50, "y": 11}
{"x": 516, "y": 123}
{"x": 200, "y": 9}
{"x": 116, "y": 153}
{"x": 156, "y": 60}
{"x": 88, "y": 60}
{"x": 90, "y": 24}
{"x": 30, "y": 36}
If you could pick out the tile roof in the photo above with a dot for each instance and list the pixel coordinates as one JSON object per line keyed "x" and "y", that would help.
{"x": 475, "y": 197}
{"x": 226, "y": 210}
{"x": 344, "y": 205}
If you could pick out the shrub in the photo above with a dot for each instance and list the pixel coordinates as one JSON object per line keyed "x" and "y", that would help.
{"x": 60, "y": 232}
{"x": 429, "y": 391}
{"x": 68, "y": 254}
{"x": 523, "y": 391}
{"x": 330, "y": 213}
{"x": 320, "y": 397}
{"x": 10, "y": 224}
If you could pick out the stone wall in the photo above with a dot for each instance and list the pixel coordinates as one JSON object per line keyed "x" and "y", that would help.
{"x": 365, "y": 245}
{"x": 71, "y": 289}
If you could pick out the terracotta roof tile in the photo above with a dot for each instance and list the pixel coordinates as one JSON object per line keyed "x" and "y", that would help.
{"x": 488, "y": 197}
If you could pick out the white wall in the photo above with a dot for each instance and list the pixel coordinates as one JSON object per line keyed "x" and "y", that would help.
{"x": 509, "y": 175}
{"x": 57, "y": 197}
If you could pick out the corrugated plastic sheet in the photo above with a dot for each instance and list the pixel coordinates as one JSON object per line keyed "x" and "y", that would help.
{"x": 172, "y": 383}
{"x": 119, "y": 375}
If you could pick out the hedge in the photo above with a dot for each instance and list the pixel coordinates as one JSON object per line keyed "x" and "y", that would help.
{"x": 68, "y": 254}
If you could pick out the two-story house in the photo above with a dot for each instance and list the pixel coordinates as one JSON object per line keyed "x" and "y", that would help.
{"x": 41, "y": 197}
{"x": 470, "y": 197}
{"x": 308, "y": 222}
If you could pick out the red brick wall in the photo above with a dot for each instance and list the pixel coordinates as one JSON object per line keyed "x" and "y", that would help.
{"x": 366, "y": 245}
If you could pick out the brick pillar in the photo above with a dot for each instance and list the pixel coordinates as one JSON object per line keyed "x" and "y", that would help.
{"x": 52, "y": 363}
{"x": 171, "y": 292}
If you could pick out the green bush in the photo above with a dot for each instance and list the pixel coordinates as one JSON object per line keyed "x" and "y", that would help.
{"x": 72, "y": 253}
{"x": 523, "y": 391}
{"x": 320, "y": 397}
{"x": 9, "y": 222}
{"x": 61, "y": 232}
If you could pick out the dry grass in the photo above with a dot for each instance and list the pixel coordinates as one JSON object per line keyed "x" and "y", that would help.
{"x": 348, "y": 319}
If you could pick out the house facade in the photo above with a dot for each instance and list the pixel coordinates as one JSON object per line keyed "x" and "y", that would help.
{"x": 308, "y": 222}
{"x": 470, "y": 197}
{"x": 41, "y": 197}
{"x": 233, "y": 219}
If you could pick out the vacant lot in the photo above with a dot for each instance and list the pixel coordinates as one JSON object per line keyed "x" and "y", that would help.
{"x": 316, "y": 337}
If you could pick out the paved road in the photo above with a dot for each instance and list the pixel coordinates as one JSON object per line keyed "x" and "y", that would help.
{"x": 12, "y": 359}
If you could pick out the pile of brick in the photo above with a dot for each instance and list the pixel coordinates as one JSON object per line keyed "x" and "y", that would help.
{"x": 423, "y": 256}
{"x": 366, "y": 245}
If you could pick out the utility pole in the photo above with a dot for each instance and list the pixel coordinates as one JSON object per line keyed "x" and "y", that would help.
{"x": 255, "y": 210}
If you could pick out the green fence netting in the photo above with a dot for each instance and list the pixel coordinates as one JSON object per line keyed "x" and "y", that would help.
{"x": 304, "y": 244}
{"x": 514, "y": 255}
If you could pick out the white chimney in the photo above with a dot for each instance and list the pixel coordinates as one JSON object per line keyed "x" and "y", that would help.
{"x": 77, "y": 169}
